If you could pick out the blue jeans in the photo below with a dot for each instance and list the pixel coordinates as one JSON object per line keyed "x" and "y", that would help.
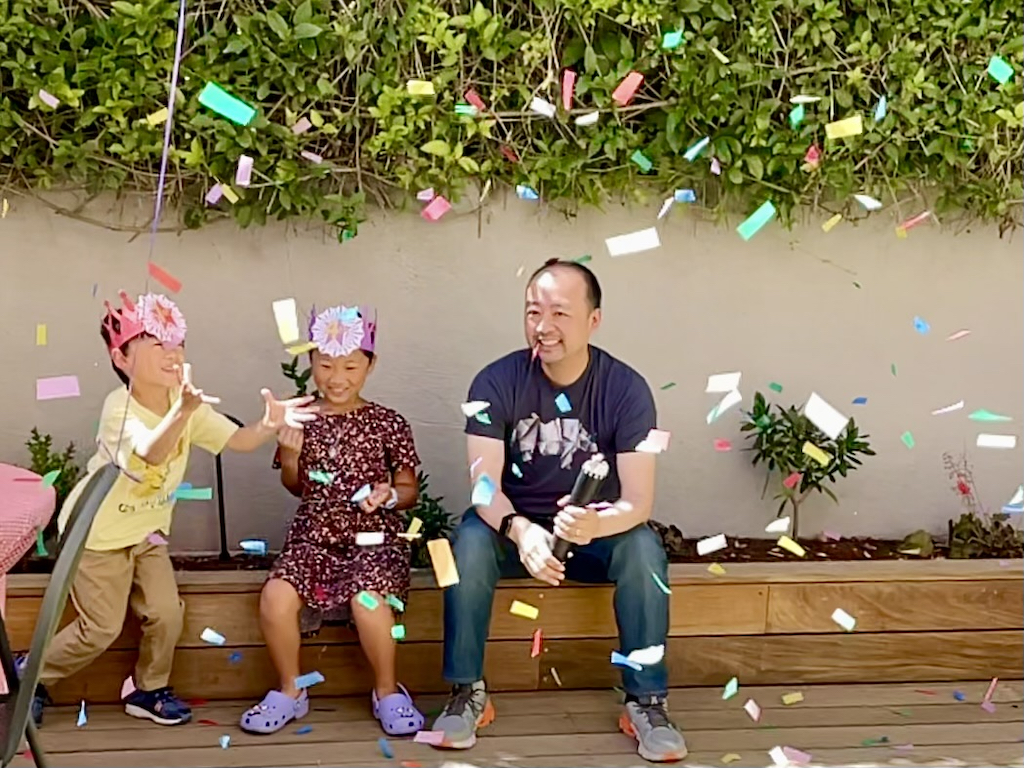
{"x": 626, "y": 560}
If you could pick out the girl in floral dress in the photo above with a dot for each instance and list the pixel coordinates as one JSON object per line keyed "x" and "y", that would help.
{"x": 345, "y": 556}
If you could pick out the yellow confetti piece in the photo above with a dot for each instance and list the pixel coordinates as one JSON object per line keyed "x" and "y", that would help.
{"x": 792, "y": 698}
{"x": 525, "y": 610}
{"x": 229, "y": 193}
{"x": 732, "y": 757}
{"x": 443, "y": 560}
{"x": 301, "y": 349}
{"x": 420, "y": 88}
{"x": 827, "y": 226}
{"x": 841, "y": 129}
{"x": 716, "y": 569}
{"x": 41, "y": 335}
{"x": 4, "y": 208}
{"x": 901, "y": 233}
{"x": 810, "y": 449}
{"x": 414, "y": 527}
{"x": 787, "y": 543}
{"x": 158, "y": 117}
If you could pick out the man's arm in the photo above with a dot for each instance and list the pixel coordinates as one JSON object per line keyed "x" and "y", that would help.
{"x": 636, "y": 477}
{"x": 489, "y": 456}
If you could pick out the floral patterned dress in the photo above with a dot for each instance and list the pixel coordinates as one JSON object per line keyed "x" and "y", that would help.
{"x": 320, "y": 557}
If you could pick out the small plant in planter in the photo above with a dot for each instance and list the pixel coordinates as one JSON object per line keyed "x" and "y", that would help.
{"x": 978, "y": 533}
{"x": 779, "y": 435}
{"x": 437, "y": 523}
{"x": 44, "y": 459}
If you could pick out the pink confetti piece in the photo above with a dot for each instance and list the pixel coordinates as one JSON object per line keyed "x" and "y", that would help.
{"x": 813, "y": 156}
{"x": 57, "y": 387}
{"x": 434, "y": 738}
{"x": 538, "y": 640}
{"x": 509, "y": 153}
{"x": 958, "y": 335}
{"x": 830, "y": 536}
{"x": 157, "y": 539}
{"x": 913, "y": 221}
{"x": 127, "y": 687}
{"x": 753, "y": 710}
{"x": 903, "y": 747}
{"x": 722, "y": 445}
{"x": 48, "y": 99}
{"x": 438, "y": 207}
{"x": 166, "y": 279}
{"x": 991, "y": 689}
{"x": 625, "y": 90}
{"x": 473, "y": 98}
{"x": 215, "y": 194}
{"x": 795, "y": 755}
{"x": 568, "y": 88}
{"x": 301, "y": 126}
{"x": 311, "y": 156}
{"x": 716, "y": 167}
{"x": 243, "y": 173}
{"x": 989, "y": 707}
{"x": 791, "y": 481}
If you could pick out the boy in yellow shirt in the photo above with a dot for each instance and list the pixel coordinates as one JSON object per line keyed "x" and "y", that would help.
{"x": 147, "y": 428}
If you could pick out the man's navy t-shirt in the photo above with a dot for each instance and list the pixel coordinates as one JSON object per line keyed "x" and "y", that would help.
{"x": 549, "y": 431}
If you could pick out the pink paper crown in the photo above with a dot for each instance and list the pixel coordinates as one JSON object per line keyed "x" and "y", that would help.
{"x": 341, "y": 330}
{"x": 152, "y": 313}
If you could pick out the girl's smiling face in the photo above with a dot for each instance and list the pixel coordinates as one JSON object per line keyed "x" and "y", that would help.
{"x": 341, "y": 379}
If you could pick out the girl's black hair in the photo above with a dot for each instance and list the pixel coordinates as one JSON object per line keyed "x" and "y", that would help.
{"x": 369, "y": 355}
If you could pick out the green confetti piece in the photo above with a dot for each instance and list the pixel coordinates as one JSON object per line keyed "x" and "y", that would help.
{"x": 642, "y": 161}
{"x": 775, "y": 387}
{"x": 893, "y": 369}
{"x": 669, "y": 385}
{"x": 983, "y": 415}
{"x": 398, "y": 632}
{"x": 395, "y": 602}
{"x": 731, "y": 688}
{"x": 50, "y": 478}
{"x": 583, "y": 259}
{"x": 224, "y": 104}
{"x": 661, "y": 584}
{"x": 368, "y": 601}
{"x": 999, "y": 70}
{"x": 671, "y": 40}
{"x": 318, "y": 476}
{"x": 467, "y": 110}
{"x": 347, "y": 234}
{"x": 482, "y": 417}
{"x": 908, "y": 439}
{"x": 757, "y": 219}
{"x": 856, "y": 284}
{"x": 40, "y": 546}
{"x": 796, "y": 116}
{"x": 193, "y": 494}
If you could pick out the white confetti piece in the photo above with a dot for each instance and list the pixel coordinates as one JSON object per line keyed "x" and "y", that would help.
{"x": 712, "y": 544}
{"x": 753, "y": 710}
{"x": 996, "y": 441}
{"x": 634, "y": 242}
{"x": 779, "y": 525}
{"x": 723, "y": 382}
{"x": 369, "y": 538}
{"x": 472, "y": 408}
{"x": 590, "y": 118}
{"x": 656, "y": 441}
{"x": 948, "y": 408}
{"x": 542, "y": 107}
{"x": 647, "y": 656}
{"x": 731, "y": 398}
{"x": 286, "y": 317}
{"x": 869, "y": 203}
{"x": 824, "y": 416}
{"x": 843, "y": 619}
{"x": 301, "y": 126}
{"x": 801, "y": 99}
{"x": 362, "y": 494}
{"x": 48, "y": 99}
{"x": 212, "y": 636}
{"x": 243, "y": 173}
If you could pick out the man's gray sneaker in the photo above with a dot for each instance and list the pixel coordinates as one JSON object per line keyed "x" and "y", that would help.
{"x": 657, "y": 738}
{"x": 468, "y": 708}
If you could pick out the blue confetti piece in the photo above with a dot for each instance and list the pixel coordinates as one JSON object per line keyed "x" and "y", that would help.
{"x": 685, "y": 196}
{"x": 959, "y": 696}
{"x": 621, "y": 661}
{"x": 235, "y": 657}
{"x": 254, "y": 546}
{"x": 192, "y": 494}
{"x": 1013, "y": 509}
{"x": 304, "y": 730}
{"x": 308, "y": 680}
{"x": 921, "y": 326}
{"x": 225, "y": 741}
{"x": 692, "y": 153}
{"x": 482, "y": 417}
{"x": 82, "y": 719}
{"x": 562, "y": 403}
{"x": 517, "y": 471}
{"x": 524, "y": 192}
{"x": 881, "y": 109}
{"x": 860, "y": 401}
{"x": 350, "y": 315}
{"x": 385, "y": 748}
{"x": 483, "y": 491}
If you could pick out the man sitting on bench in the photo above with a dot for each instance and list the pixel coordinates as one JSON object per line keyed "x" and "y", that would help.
{"x": 549, "y": 408}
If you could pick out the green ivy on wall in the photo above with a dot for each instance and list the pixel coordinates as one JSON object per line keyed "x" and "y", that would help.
{"x": 951, "y": 139}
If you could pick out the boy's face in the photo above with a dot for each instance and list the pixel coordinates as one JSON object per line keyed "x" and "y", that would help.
{"x": 340, "y": 379}
{"x": 151, "y": 363}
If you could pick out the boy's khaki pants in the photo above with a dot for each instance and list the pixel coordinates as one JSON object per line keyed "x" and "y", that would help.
{"x": 107, "y": 583}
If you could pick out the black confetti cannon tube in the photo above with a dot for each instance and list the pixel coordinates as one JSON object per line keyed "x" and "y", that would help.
{"x": 588, "y": 484}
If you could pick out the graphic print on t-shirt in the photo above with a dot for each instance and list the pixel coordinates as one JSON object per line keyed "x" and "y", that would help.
{"x": 558, "y": 437}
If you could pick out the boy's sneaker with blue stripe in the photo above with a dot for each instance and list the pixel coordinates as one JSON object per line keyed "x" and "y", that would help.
{"x": 161, "y": 706}
{"x": 41, "y": 698}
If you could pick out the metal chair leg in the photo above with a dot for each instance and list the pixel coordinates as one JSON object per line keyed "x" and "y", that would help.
{"x": 33, "y": 744}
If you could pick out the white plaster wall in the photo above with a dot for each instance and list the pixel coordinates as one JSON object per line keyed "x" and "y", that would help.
{"x": 783, "y": 307}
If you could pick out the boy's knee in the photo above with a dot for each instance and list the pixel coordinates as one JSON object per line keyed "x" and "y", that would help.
{"x": 168, "y": 615}
{"x": 98, "y": 637}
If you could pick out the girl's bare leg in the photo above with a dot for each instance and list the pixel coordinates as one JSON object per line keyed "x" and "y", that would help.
{"x": 279, "y": 619}
{"x": 374, "y": 627}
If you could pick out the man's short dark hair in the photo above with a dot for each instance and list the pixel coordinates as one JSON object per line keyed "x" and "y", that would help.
{"x": 593, "y": 286}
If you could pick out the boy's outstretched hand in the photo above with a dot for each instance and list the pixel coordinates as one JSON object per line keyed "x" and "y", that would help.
{"x": 191, "y": 397}
{"x": 287, "y": 413}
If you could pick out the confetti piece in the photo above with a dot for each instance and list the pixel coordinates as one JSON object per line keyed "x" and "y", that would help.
{"x": 127, "y": 687}
{"x": 860, "y": 401}
{"x": 795, "y": 755}
{"x": 164, "y": 278}
{"x": 788, "y": 544}
{"x": 524, "y": 192}
{"x": 921, "y": 326}
{"x": 509, "y": 153}
{"x": 869, "y": 203}
{"x": 791, "y": 481}
{"x": 991, "y": 689}
{"x": 831, "y": 223}
{"x": 694, "y": 151}
{"x": 989, "y": 707}
{"x": 779, "y": 525}
{"x": 996, "y": 441}
{"x": 731, "y": 688}
{"x": 319, "y": 476}
{"x": 824, "y": 416}
{"x": 82, "y": 718}
{"x": 368, "y": 601}
{"x": 385, "y": 748}
{"x": 671, "y": 40}
{"x": 41, "y": 334}
{"x": 684, "y": 196}
{"x": 723, "y": 382}
{"x": 731, "y": 398}
{"x": 716, "y": 569}
{"x": 483, "y": 491}
{"x": 998, "y": 69}
{"x": 913, "y": 221}
{"x": 157, "y": 118}
{"x": 362, "y": 494}
{"x": 434, "y": 738}
{"x": 313, "y": 157}
{"x": 634, "y": 242}
{"x": 230, "y": 195}
{"x": 308, "y": 680}
{"x": 665, "y": 206}
{"x": 398, "y": 632}
{"x": 590, "y": 118}
{"x": 425, "y": 195}
{"x": 212, "y": 636}
{"x": 57, "y": 387}
{"x": 621, "y": 661}
{"x": 731, "y": 757}
{"x": 625, "y": 90}
{"x": 443, "y": 562}
{"x": 538, "y": 640}
{"x": 661, "y": 584}
{"x": 959, "y": 696}
{"x": 813, "y": 156}
{"x": 420, "y": 88}
{"x": 517, "y": 471}
{"x": 796, "y": 116}
{"x": 4, "y": 208}
{"x": 525, "y": 610}
{"x": 841, "y": 129}
{"x": 568, "y": 86}
{"x": 722, "y": 445}
{"x": 156, "y": 539}
{"x": 243, "y": 173}
{"x": 716, "y": 167}
{"x": 792, "y": 698}
{"x": 557, "y": 679}
{"x": 466, "y": 110}
{"x": 225, "y": 741}
{"x": 775, "y": 387}
{"x": 757, "y": 219}
{"x": 474, "y": 98}
{"x": 720, "y": 56}
{"x": 193, "y": 494}
{"x": 647, "y": 656}
{"x": 882, "y": 108}
{"x": 235, "y": 657}
{"x": 214, "y": 195}
{"x": 657, "y": 440}
{"x": 437, "y": 208}
{"x": 958, "y": 335}
{"x": 983, "y": 415}
{"x": 908, "y": 439}
{"x": 752, "y": 709}
{"x": 813, "y": 451}
{"x": 215, "y": 98}
{"x": 40, "y": 545}
{"x": 667, "y": 385}
{"x": 414, "y": 527}
{"x": 1018, "y": 499}
{"x": 642, "y": 161}
{"x": 843, "y": 619}
{"x": 301, "y": 126}
{"x": 892, "y": 368}
{"x": 304, "y": 730}
{"x": 542, "y": 107}
{"x": 369, "y": 538}
{"x": 286, "y": 318}
{"x": 48, "y": 99}
{"x": 712, "y": 544}
{"x": 483, "y": 418}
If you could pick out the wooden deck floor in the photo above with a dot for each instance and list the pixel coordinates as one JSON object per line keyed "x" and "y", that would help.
{"x": 871, "y": 724}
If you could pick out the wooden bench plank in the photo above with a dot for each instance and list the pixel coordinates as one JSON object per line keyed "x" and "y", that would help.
{"x": 897, "y": 606}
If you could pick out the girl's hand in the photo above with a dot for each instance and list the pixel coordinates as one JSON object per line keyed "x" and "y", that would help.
{"x": 378, "y": 496}
{"x": 290, "y": 440}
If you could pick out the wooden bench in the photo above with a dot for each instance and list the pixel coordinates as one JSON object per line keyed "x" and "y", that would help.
{"x": 765, "y": 623}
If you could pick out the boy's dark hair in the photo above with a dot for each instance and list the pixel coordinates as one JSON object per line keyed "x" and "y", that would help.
{"x": 593, "y": 286}
{"x": 105, "y": 333}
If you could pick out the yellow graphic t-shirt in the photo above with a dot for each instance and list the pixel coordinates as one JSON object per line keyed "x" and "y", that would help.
{"x": 135, "y": 508}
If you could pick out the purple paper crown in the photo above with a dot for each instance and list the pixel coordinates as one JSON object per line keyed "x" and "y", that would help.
{"x": 340, "y": 331}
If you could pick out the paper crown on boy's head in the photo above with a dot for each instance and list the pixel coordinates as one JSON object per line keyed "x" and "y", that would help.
{"x": 152, "y": 314}
{"x": 340, "y": 331}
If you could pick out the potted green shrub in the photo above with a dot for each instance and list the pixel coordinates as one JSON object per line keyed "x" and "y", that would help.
{"x": 43, "y": 460}
{"x": 778, "y": 438}
{"x": 978, "y": 533}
